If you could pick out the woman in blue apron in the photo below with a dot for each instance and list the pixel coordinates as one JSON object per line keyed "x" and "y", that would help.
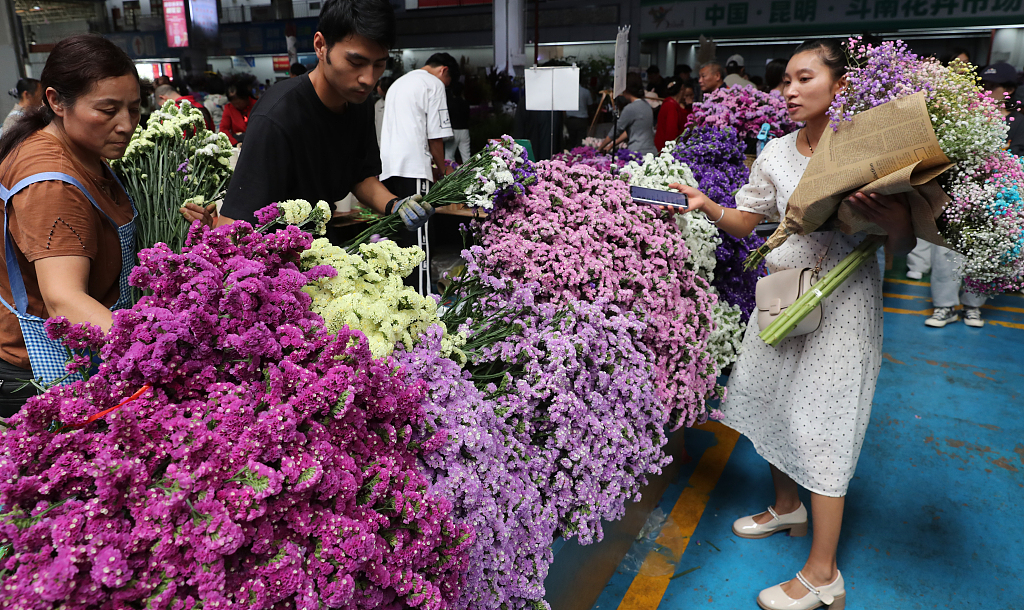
{"x": 68, "y": 223}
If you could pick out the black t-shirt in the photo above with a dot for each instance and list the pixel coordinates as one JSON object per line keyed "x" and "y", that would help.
{"x": 1016, "y": 134}
{"x": 458, "y": 112}
{"x": 295, "y": 148}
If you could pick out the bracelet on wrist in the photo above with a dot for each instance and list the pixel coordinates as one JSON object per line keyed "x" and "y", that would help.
{"x": 715, "y": 222}
{"x": 390, "y": 206}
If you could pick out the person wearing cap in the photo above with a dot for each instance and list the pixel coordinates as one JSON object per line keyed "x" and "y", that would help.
{"x": 712, "y": 76}
{"x": 735, "y": 72}
{"x": 655, "y": 82}
{"x": 1001, "y": 79}
{"x": 672, "y": 116}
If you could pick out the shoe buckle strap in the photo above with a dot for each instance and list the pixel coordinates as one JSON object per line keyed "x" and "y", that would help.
{"x": 826, "y": 598}
{"x": 775, "y": 515}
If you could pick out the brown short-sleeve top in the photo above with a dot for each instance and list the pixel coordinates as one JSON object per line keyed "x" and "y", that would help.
{"x": 54, "y": 218}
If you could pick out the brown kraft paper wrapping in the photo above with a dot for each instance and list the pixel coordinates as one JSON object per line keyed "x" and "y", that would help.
{"x": 889, "y": 149}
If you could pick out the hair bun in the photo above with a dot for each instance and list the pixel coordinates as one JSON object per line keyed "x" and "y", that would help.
{"x": 13, "y": 92}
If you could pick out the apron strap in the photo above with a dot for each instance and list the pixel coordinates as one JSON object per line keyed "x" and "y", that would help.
{"x": 13, "y": 270}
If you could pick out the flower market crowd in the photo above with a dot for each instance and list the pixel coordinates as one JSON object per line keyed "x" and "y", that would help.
{"x": 213, "y": 396}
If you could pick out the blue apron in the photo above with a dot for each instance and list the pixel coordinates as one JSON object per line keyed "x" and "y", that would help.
{"x": 48, "y": 357}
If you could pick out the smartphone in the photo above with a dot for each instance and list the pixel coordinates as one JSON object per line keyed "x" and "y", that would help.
{"x": 658, "y": 197}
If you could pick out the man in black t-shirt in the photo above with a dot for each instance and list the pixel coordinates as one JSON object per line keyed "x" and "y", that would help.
{"x": 313, "y": 137}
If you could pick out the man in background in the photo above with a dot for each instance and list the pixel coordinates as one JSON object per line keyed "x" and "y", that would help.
{"x": 458, "y": 111}
{"x": 736, "y": 74}
{"x": 712, "y": 77}
{"x": 416, "y": 122}
{"x": 167, "y": 93}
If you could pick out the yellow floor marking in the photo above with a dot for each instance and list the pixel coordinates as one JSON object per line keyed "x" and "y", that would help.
{"x": 646, "y": 592}
{"x": 909, "y": 297}
{"x": 1006, "y": 324}
{"x": 999, "y": 308}
{"x": 913, "y": 312}
{"x": 910, "y": 282}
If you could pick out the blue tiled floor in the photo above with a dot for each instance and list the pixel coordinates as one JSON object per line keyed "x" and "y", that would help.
{"x": 934, "y": 514}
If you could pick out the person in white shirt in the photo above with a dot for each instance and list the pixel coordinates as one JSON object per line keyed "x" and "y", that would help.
{"x": 416, "y": 121}
{"x": 378, "y": 107}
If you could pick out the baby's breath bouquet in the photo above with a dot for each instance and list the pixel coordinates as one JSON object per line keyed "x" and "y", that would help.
{"x": 173, "y": 161}
{"x": 496, "y": 174}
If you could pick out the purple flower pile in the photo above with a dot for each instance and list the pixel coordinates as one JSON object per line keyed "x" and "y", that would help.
{"x": 265, "y": 464}
{"x": 484, "y": 469}
{"x": 744, "y": 108}
{"x": 715, "y": 156}
{"x": 552, "y": 427}
{"x": 579, "y": 235}
{"x": 585, "y": 155}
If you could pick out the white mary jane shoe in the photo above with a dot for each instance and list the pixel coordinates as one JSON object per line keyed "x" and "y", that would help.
{"x": 831, "y": 595}
{"x": 795, "y": 522}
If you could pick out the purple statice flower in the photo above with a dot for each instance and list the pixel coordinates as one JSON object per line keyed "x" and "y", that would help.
{"x": 745, "y": 109}
{"x": 269, "y": 464}
{"x": 484, "y": 469}
{"x": 579, "y": 235}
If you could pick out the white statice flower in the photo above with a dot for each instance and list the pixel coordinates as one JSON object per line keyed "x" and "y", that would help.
{"x": 659, "y": 172}
{"x": 504, "y": 178}
{"x": 727, "y": 334}
{"x": 702, "y": 240}
{"x": 294, "y": 211}
{"x": 368, "y": 294}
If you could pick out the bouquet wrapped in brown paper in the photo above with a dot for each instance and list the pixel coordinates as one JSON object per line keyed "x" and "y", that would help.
{"x": 888, "y": 149}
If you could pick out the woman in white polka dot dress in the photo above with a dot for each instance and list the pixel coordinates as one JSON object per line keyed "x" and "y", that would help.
{"x": 805, "y": 404}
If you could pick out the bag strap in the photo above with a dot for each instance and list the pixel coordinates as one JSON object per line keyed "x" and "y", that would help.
{"x": 14, "y": 276}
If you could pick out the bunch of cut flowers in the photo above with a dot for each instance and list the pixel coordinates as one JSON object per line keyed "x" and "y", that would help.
{"x": 715, "y": 156}
{"x": 173, "y": 161}
{"x": 745, "y": 109}
{"x": 969, "y": 132}
{"x": 579, "y": 235}
{"x": 498, "y": 173}
{"x": 985, "y": 222}
{"x": 259, "y": 461}
{"x": 553, "y": 426}
{"x": 365, "y": 292}
{"x": 703, "y": 241}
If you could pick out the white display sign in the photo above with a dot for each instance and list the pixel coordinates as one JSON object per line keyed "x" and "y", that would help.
{"x": 554, "y": 88}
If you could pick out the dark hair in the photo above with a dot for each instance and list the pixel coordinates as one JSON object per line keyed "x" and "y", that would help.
{"x": 653, "y": 70}
{"x": 773, "y": 72}
{"x": 733, "y": 68}
{"x": 384, "y": 83}
{"x": 25, "y": 85}
{"x": 240, "y": 85}
{"x": 444, "y": 59}
{"x": 75, "y": 64}
{"x": 635, "y": 85}
{"x": 831, "y": 53}
{"x": 953, "y": 53}
{"x": 373, "y": 19}
{"x": 296, "y": 69}
{"x": 215, "y": 84}
{"x": 673, "y": 87}
{"x": 682, "y": 68}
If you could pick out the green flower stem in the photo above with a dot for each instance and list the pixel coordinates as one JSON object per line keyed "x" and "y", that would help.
{"x": 780, "y": 328}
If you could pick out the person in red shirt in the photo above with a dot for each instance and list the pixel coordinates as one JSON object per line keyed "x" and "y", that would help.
{"x": 673, "y": 114}
{"x": 236, "y": 114}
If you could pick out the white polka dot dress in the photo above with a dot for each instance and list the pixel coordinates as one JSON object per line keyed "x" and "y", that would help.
{"x": 805, "y": 404}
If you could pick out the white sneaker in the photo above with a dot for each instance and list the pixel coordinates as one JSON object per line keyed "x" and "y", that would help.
{"x": 832, "y": 595}
{"x": 914, "y": 275}
{"x": 972, "y": 317}
{"x": 941, "y": 317}
{"x": 795, "y": 522}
